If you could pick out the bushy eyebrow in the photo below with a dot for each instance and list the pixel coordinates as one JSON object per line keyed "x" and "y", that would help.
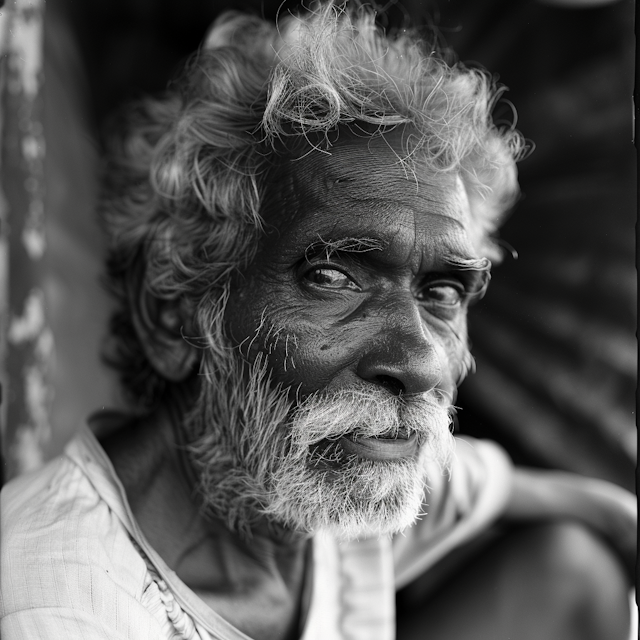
{"x": 480, "y": 269}
{"x": 468, "y": 264}
{"x": 343, "y": 245}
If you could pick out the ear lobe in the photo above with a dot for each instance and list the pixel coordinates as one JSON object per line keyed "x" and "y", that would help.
{"x": 161, "y": 325}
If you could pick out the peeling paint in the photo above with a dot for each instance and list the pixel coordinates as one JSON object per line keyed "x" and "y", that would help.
{"x": 26, "y": 45}
{"x": 32, "y": 321}
{"x": 32, "y": 149}
{"x": 4, "y": 30}
{"x": 45, "y": 345}
{"x": 21, "y": 43}
{"x": 34, "y": 241}
{"x": 27, "y": 346}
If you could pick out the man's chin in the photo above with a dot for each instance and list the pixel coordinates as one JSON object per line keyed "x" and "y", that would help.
{"x": 360, "y": 498}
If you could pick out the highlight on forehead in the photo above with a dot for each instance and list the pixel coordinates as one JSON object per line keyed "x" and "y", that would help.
{"x": 343, "y": 245}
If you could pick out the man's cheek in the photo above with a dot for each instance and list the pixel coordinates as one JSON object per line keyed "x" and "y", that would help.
{"x": 307, "y": 359}
{"x": 461, "y": 365}
{"x": 307, "y": 364}
{"x": 456, "y": 361}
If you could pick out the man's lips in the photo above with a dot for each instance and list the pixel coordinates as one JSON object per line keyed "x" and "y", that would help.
{"x": 395, "y": 448}
{"x": 395, "y": 444}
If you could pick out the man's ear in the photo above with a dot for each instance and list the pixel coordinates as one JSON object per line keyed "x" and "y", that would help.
{"x": 161, "y": 325}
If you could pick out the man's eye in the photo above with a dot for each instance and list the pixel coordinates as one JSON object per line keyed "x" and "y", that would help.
{"x": 445, "y": 294}
{"x": 331, "y": 279}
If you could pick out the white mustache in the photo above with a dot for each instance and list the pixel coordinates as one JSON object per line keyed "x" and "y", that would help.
{"x": 367, "y": 412}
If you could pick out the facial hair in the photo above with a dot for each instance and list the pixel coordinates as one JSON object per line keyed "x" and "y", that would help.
{"x": 259, "y": 454}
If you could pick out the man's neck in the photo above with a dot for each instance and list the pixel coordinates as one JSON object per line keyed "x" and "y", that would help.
{"x": 256, "y": 583}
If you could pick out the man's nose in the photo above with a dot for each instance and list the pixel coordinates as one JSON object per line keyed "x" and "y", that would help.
{"x": 403, "y": 358}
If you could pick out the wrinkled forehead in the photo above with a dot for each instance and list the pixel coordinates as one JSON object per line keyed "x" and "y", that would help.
{"x": 372, "y": 170}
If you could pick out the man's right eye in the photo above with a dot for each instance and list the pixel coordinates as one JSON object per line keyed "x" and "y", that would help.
{"x": 331, "y": 279}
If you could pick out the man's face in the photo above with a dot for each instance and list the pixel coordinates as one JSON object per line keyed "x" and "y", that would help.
{"x": 367, "y": 271}
{"x": 356, "y": 302}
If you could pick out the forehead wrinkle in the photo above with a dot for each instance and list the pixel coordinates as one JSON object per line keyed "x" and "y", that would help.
{"x": 350, "y": 171}
{"x": 396, "y": 228}
{"x": 395, "y": 195}
{"x": 321, "y": 189}
{"x": 351, "y": 175}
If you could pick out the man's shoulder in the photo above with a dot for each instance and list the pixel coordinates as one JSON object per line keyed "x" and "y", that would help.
{"x": 60, "y": 540}
{"x": 27, "y": 492}
{"x": 47, "y": 502}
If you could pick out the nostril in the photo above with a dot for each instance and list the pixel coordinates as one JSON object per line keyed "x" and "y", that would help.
{"x": 391, "y": 384}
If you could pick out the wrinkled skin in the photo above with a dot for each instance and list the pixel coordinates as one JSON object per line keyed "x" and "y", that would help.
{"x": 388, "y": 306}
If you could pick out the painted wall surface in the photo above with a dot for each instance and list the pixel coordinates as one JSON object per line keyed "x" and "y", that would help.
{"x": 52, "y": 308}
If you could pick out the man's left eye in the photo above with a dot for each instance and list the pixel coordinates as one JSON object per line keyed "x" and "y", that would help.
{"x": 446, "y": 294}
{"x": 331, "y": 279}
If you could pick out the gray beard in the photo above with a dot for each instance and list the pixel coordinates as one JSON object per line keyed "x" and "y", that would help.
{"x": 255, "y": 454}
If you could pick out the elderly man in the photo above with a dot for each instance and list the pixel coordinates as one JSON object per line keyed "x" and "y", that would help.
{"x": 296, "y": 231}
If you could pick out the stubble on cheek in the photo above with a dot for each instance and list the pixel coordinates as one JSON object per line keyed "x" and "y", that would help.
{"x": 291, "y": 347}
{"x": 281, "y": 346}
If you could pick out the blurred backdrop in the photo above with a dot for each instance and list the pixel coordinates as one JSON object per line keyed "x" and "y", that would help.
{"x": 554, "y": 338}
